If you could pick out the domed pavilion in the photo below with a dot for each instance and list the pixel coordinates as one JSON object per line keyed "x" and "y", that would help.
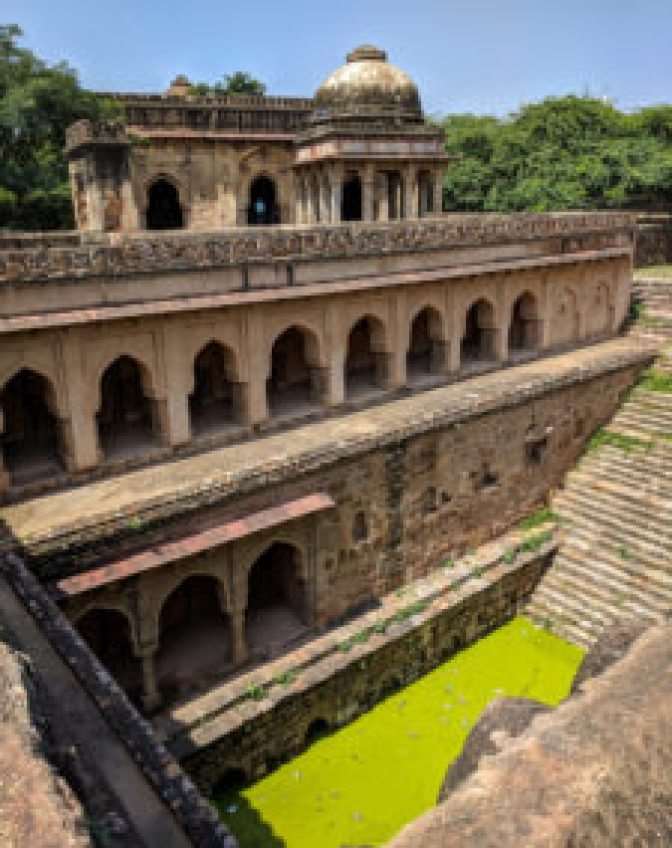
{"x": 367, "y": 153}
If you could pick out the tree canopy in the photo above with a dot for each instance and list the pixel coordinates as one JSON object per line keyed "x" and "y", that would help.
{"x": 37, "y": 102}
{"x": 562, "y": 153}
{"x": 239, "y": 82}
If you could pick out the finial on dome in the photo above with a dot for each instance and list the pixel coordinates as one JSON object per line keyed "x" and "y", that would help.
{"x": 179, "y": 87}
{"x": 367, "y": 53}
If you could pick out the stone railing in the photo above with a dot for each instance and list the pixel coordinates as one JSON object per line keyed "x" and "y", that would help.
{"x": 144, "y": 252}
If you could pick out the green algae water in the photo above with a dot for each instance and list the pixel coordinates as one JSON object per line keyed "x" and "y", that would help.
{"x": 360, "y": 785}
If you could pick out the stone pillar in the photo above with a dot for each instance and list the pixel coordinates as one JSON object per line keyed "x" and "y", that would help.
{"x": 238, "y": 641}
{"x": 151, "y": 697}
{"x": 325, "y": 200}
{"x": 298, "y": 200}
{"x": 241, "y": 403}
{"x": 411, "y": 192}
{"x": 383, "y": 192}
{"x": 368, "y": 188}
{"x": 336, "y": 182}
{"x": 161, "y": 422}
{"x": 438, "y": 192}
{"x": 441, "y": 357}
{"x": 498, "y": 343}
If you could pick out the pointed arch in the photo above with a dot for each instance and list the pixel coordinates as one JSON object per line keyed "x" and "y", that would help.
{"x": 425, "y": 354}
{"x": 215, "y": 402}
{"x": 366, "y": 361}
{"x": 127, "y": 418}
{"x": 478, "y": 339}
{"x": 293, "y": 382}
{"x": 524, "y": 324}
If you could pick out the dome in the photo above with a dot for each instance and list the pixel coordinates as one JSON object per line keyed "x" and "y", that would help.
{"x": 367, "y": 85}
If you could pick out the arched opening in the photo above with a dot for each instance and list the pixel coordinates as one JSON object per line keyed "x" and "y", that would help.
{"x": 194, "y": 637}
{"x": 366, "y": 361}
{"x": 478, "y": 341}
{"x": 425, "y": 194}
{"x": 213, "y": 405}
{"x": 599, "y": 316}
{"x": 425, "y": 351}
{"x": 565, "y": 322}
{"x": 164, "y": 211}
{"x": 293, "y": 384}
{"x": 351, "y": 204}
{"x": 277, "y": 612}
{"x": 524, "y": 327}
{"x": 108, "y": 634}
{"x": 263, "y": 209}
{"x": 31, "y": 437}
{"x": 125, "y": 419}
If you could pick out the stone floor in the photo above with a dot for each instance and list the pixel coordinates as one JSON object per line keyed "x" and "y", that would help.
{"x": 126, "y": 493}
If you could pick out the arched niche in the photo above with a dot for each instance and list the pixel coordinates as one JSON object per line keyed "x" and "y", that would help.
{"x": 195, "y": 644}
{"x": 277, "y": 603}
{"x": 478, "y": 340}
{"x": 164, "y": 210}
{"x": 127, "y": 419}
{"x": 426, "y": 351}
{"x": 525, "y": 326}
{"x": 366, "y": 361}
{"x": 293, "y": 384}
{"x": 107, "y": 632}
{"x": 215, "y": 402}
{"x": 32, "y": 438}
{"x": 263, "y": 208}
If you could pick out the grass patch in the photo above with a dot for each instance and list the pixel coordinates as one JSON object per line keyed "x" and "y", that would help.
{"x": 617, "y": 440}
{"x": 541, "y": 516}
{"x": 656, "y": 381}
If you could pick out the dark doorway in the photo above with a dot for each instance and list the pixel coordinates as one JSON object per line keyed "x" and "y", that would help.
{"x": 364, "y": 367}
{"x": 423, "y": 355}
{"x": 108, "y": 634}
{"x": 125, "y": 420}
{"x": 478, "y": 339}
{"x": 195, "y": 637}
{"x": 524, "y": 324}
{"x": 290, "y": 386}
{"x": 212, "y": 406}
{"x": 263, "y": 208}
{"x": 276, "y": 601}
{"x": 351, "y": 206}
{"x": 164, "y": 211}
{"x": 31, "y": 437}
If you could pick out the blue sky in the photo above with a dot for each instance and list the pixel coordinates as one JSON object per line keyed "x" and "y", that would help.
{"x": 466, "y": 55}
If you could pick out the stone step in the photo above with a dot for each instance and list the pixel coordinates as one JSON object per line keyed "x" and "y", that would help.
{"x": 636, "y": 468}
{"x": 612, "y": 496}
{"x": 540, "y": 614}
{"x": 617, "y": 591}
{"x": 581, "y": 612}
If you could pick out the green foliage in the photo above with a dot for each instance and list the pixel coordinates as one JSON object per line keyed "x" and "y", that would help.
{"x": 541, "y": 516}
{"x": 286, "y": 678}
{"x": 256, "y": 691}
{"x": 656, "y": 381}
{"x": 562, "y": 153}
{"x": 239, "y": 82}
{"x": 37, "y": 103}
{"x": 617, "y": 440}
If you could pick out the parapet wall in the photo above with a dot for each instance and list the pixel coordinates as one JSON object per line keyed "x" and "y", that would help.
{"x": 143, "y": 253}
{"x": 654, "y": 240}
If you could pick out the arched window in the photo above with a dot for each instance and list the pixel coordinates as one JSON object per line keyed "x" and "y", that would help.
{"x": 425, "y": 351}
{"x": 478, "y": 342}
{"x": 125, "y": 419}
{"x": 351, "y": 203}
{"x": 524, "y": 327}
{"x": 164, "y": 211}
{"x": 263, "y": 208}
{"x": 31, "y": 438}
{"x": 276, "y": 601}
{"x": 194, "y": 637}
{"x": 366, "y": 361}
{"x": 108, "y": 634}
{"x": 293, "y": 382}
{"x": 214, "y": 403}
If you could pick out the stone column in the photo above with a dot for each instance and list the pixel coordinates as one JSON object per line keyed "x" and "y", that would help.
{"x": 411, "y": 192}
{"x": 151, "y": 697}
{"x": 298, "y": 200}
{"x": 239, "y": 650}
{"x": 325, "y": 200}
{"x": 383, "y": 191}
{"x": 336, "y": 182}
{"x": 368, "y": 188}
{"x": 438, "y": 192}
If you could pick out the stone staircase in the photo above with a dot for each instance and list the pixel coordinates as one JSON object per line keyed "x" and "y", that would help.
{"x": 652, "y": 302}
{"x": 615, "y": 511}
